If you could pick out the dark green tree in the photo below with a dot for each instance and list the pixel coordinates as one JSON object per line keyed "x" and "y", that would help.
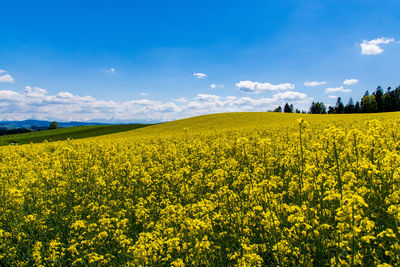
{"x": 357, "y": 107}
{"x": 387, "y": 100}
{"x": 339, "y": 108}
{"x": 317, "y": 108}
{"x": 53, "y": 125}
{"x": 278, "y": 109}
{"x": 331, "y": 110}
{"x": 396, "y": 101}
{"x": 368, "y": 104}
{"x": 288, "y": 108}
{"x": 350, "y": 108}
{"x": 393, "y": 101}
{"x": 378, "y": 97}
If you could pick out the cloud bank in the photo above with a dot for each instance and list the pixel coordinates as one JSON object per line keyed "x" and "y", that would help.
{"x": 37, "y": 103}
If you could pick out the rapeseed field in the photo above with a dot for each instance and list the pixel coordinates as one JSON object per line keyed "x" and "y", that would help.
{"x": 239, "y": 189}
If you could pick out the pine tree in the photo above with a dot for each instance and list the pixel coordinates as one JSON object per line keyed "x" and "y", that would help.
{"x": 339, "y": 106}
{"x": 378, "y": 97}
{"x": 288, "y": 109}
{"x": 349, "y": 108}
{"x": 357, "y": 107}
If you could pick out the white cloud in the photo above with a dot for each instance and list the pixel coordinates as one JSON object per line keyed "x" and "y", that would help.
{"x": 333, "y": 96}
{"x": 350, "y": 81}
{"x": 35, "y": 91}
{"x": 208, "y": 98}
{"x": 290, "y": 95}
{"x": 2, "y": 71}
{"x": 182, "y": 100}
{"x": 111, "y": 70}
{"x": 8, "y": 95}
{"x": 337, "y": 89}
{"x": 257, "y": 87}
{"x": 314, "y": 83}
{"x": 6, "y": 78}
{"x": 37, "y": 103}
{"x": 143, "y": 94}
{"x": 214, "y": 86}
{"x": 372, "y": 47}
{"x": 199, "y": 75}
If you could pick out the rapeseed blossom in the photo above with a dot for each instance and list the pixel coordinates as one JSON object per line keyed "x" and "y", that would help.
{"x": 295, "y": 194}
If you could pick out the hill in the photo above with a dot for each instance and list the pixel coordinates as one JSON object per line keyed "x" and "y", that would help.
{"x": 249, "y": 121}
{"x": 77, "y": 132}
{"x": 211, "y": 124}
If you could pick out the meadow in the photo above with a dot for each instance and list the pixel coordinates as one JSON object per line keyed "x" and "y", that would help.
{"x": 76, "y": 132}
{"x": 234, "y": 189}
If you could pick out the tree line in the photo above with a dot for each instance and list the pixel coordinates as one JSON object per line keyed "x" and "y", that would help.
{"x": 6, "y": 131}
{"x": 378, "y": 101}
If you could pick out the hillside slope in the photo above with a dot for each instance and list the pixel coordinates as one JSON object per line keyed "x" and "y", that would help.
{"x": 205, "y": 125}
{"x": 77, "y": 132}
{"x": 249, "y": 121}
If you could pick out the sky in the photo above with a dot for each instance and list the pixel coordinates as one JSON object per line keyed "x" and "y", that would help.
{"x": 150, "y": 61}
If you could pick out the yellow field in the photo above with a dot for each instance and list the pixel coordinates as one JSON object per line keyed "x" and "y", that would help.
{"x": 241, "y": 189}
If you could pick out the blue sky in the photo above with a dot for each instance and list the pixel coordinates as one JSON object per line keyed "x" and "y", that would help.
{"x": 137, "y": 61}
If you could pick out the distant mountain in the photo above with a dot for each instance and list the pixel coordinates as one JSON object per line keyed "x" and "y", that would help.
{"x": 38, "y": 124}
